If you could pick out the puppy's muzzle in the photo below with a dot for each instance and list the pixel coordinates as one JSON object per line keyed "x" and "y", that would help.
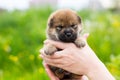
{"x": 68, "y": 34}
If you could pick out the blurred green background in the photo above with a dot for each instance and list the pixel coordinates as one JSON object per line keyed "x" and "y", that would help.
{"x": 22, "y": 34}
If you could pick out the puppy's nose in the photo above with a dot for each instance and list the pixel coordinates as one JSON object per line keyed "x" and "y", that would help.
{"x": 68, "y": 34}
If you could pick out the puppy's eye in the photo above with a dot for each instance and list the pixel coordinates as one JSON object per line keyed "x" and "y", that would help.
{"x": 74, "y": 26}
{"x": 59, "y": 27}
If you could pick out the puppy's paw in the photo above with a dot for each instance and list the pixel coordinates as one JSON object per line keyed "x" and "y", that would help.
{"x": 79, "y": 43}
{"x": 59, "y": 73}
{"x": 50, "y": 49}
{"x": 76, "y": 77}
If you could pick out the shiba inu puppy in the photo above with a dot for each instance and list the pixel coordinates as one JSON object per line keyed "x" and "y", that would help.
{"x": 63, "y": 25}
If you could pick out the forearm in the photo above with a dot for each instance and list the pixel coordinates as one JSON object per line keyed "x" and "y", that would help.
{"x": 100, "y": 73}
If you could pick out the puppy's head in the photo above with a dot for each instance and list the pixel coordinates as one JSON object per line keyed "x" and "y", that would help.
{"x": 64, "y": 25}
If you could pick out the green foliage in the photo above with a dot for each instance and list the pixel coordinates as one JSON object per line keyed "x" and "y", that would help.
{"x": 114, "y": 66}
{"x": 22, "y": 34}
{"x": 104, "y": 28}
{"x": 21, "y": 37}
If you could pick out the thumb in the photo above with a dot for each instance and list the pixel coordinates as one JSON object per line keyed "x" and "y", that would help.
{"x": 85, "y": 36}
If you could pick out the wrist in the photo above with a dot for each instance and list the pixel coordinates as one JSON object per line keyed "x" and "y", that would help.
{"x": 99, "y": 72}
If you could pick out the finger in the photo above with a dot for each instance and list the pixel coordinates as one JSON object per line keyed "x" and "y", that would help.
{"x": 54, "y": 56}
{"x": 50, "y": 61}
{"x": 85, "y": 36}
{"x": 84, "y": 77}
{"x": 59, "y": 45}
{"x": 45, "y": 65}
{"x": 58, "y": 55}
{"x": 41, "y": 51}
{"x": 49, "y": 72}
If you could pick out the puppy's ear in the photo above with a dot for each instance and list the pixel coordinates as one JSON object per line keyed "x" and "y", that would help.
{"x": 50, "y": 23}
{"x": 79, "y": 19}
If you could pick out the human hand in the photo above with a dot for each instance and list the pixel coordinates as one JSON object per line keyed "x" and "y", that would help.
{"x": 79, "y": 61}
{"x": 53, "y": 77}
{"x": 70, "y": 58}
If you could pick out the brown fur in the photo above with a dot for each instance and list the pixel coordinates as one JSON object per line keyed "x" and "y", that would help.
{"x": 62, "y": 23}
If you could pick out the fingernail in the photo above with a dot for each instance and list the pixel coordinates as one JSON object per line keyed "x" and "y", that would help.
{"x": 58, "y": 52}
{"x": 41, "y": 56}
{"x": 86, "y": 35}
{"x": 40, "y": 51}
{"x": 43, "y": 62}
{"x": 46, "y": 41}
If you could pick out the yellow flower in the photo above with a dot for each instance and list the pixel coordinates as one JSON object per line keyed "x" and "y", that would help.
{"x": 116, "y": 23}
{"x": 13, "y": 58}
{"x": 7, "y": 48}
{"x": 0, "y": 37}
{"x": 31, "y": 57}
{"x": 39, "y": 58}
{"x": 41, "y": 70}
{"x": 20, "y": 78}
